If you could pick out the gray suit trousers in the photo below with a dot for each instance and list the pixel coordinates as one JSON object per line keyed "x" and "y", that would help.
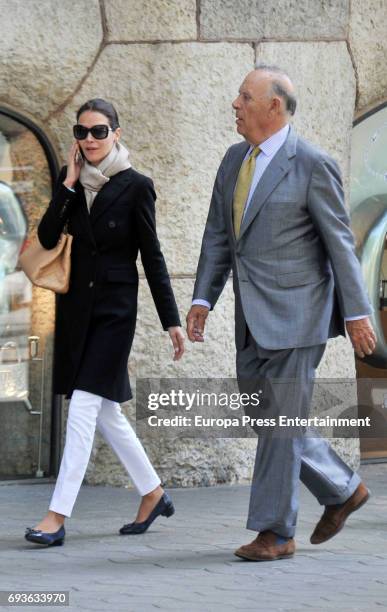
{"x": 282, "y": 460}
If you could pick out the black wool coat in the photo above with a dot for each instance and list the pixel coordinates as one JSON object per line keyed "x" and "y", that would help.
{"x": 95, "y": 320}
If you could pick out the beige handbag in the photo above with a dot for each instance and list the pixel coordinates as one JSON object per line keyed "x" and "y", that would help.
{"x": 48, "y": 268}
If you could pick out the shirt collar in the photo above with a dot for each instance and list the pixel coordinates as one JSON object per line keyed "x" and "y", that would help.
{"x": 271, "y": 145}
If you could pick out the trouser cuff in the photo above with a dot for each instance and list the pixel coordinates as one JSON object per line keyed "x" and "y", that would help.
{"x": 342, "y": 494}
{"x": 280, "y": 529}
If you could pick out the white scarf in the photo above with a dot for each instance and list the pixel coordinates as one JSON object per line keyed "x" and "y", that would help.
{"x": 93, "y": 178}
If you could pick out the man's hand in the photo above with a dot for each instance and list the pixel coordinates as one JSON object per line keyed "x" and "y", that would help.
{"x": 196, "y": 320}
{"x": 362, "y": 336}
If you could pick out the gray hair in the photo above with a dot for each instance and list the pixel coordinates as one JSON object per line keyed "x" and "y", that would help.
{"x": 278, "y": 86}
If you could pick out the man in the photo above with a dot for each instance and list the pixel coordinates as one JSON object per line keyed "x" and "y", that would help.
{"x": 277, "y": 219}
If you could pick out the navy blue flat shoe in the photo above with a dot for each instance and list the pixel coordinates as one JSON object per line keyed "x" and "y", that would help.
{"x": 45, "y": 539}
{"x": 164, "y": 507}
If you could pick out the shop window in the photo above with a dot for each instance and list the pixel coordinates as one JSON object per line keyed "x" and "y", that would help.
{"x": 27, "y": 168}
{"x": 368, "y": 202}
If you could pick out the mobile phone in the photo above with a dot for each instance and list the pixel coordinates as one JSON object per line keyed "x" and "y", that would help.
{"x": 79, "y": 157}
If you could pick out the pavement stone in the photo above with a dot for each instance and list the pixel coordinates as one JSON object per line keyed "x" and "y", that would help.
{"x": 186, "y": 563}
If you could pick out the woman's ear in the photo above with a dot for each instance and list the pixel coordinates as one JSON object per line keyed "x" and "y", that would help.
{"x": 118, "y": 134}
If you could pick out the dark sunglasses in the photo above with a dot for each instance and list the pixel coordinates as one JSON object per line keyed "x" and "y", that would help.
{"x": 99, "y": 132}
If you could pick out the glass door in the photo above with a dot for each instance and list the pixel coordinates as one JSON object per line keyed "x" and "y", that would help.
{"x": 369, "y": 222}
{"x": 27, "y": 314}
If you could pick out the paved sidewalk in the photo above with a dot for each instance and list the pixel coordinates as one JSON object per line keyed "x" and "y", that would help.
{"x": 186, "y": 563}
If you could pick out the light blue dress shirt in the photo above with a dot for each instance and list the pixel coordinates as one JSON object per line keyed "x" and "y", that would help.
{"x": 268, "y": 148}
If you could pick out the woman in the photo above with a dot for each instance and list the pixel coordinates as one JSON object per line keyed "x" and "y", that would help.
{"x": 110, "y": 212}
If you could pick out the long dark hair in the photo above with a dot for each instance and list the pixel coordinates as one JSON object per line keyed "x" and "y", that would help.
{"x": 101, "y": 106}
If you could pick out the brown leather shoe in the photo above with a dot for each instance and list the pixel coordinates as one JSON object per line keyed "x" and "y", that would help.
{"x": 265, "y": 548}
{"x": 334, "y": 517}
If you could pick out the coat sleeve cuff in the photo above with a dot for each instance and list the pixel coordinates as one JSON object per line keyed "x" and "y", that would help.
{"x": 62, "y": 200}
{"x": 172, "y": 323}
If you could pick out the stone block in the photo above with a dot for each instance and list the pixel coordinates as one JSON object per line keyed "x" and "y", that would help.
{"x": 128, "y": 20}
{"x": 152, "y": 349}
{"x": 279, "y": 20}
{"x": 368, "y": 42}
{"x": 45, "y": 49}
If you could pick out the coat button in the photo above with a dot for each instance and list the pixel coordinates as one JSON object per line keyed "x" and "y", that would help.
{"x": 91, "y": 284}
{"x": 112, "y": 224}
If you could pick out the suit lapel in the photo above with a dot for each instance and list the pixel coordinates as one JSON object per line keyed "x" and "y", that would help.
{"x": 109, "y": 192}
{"x": 277, "y": 169}
{"x": 232, "y": 176}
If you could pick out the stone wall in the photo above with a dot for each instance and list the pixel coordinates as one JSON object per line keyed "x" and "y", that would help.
{"x": 172, "y": 67}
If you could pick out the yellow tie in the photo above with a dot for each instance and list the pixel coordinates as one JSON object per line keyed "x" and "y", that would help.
{"x": 242, "y": 188}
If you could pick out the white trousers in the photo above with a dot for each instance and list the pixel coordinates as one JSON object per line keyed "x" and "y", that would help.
{"x": 86, "y": 412}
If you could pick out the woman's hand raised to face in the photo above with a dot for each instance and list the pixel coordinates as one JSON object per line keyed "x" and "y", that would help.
{"x": 74, "y": 165}
{"x": 177, "y": 337}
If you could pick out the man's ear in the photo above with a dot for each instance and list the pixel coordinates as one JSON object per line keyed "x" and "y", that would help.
{"x": 275, "y": 106}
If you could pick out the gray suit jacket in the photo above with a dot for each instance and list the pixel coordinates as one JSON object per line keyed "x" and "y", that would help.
{"x": 295, "y": 271}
